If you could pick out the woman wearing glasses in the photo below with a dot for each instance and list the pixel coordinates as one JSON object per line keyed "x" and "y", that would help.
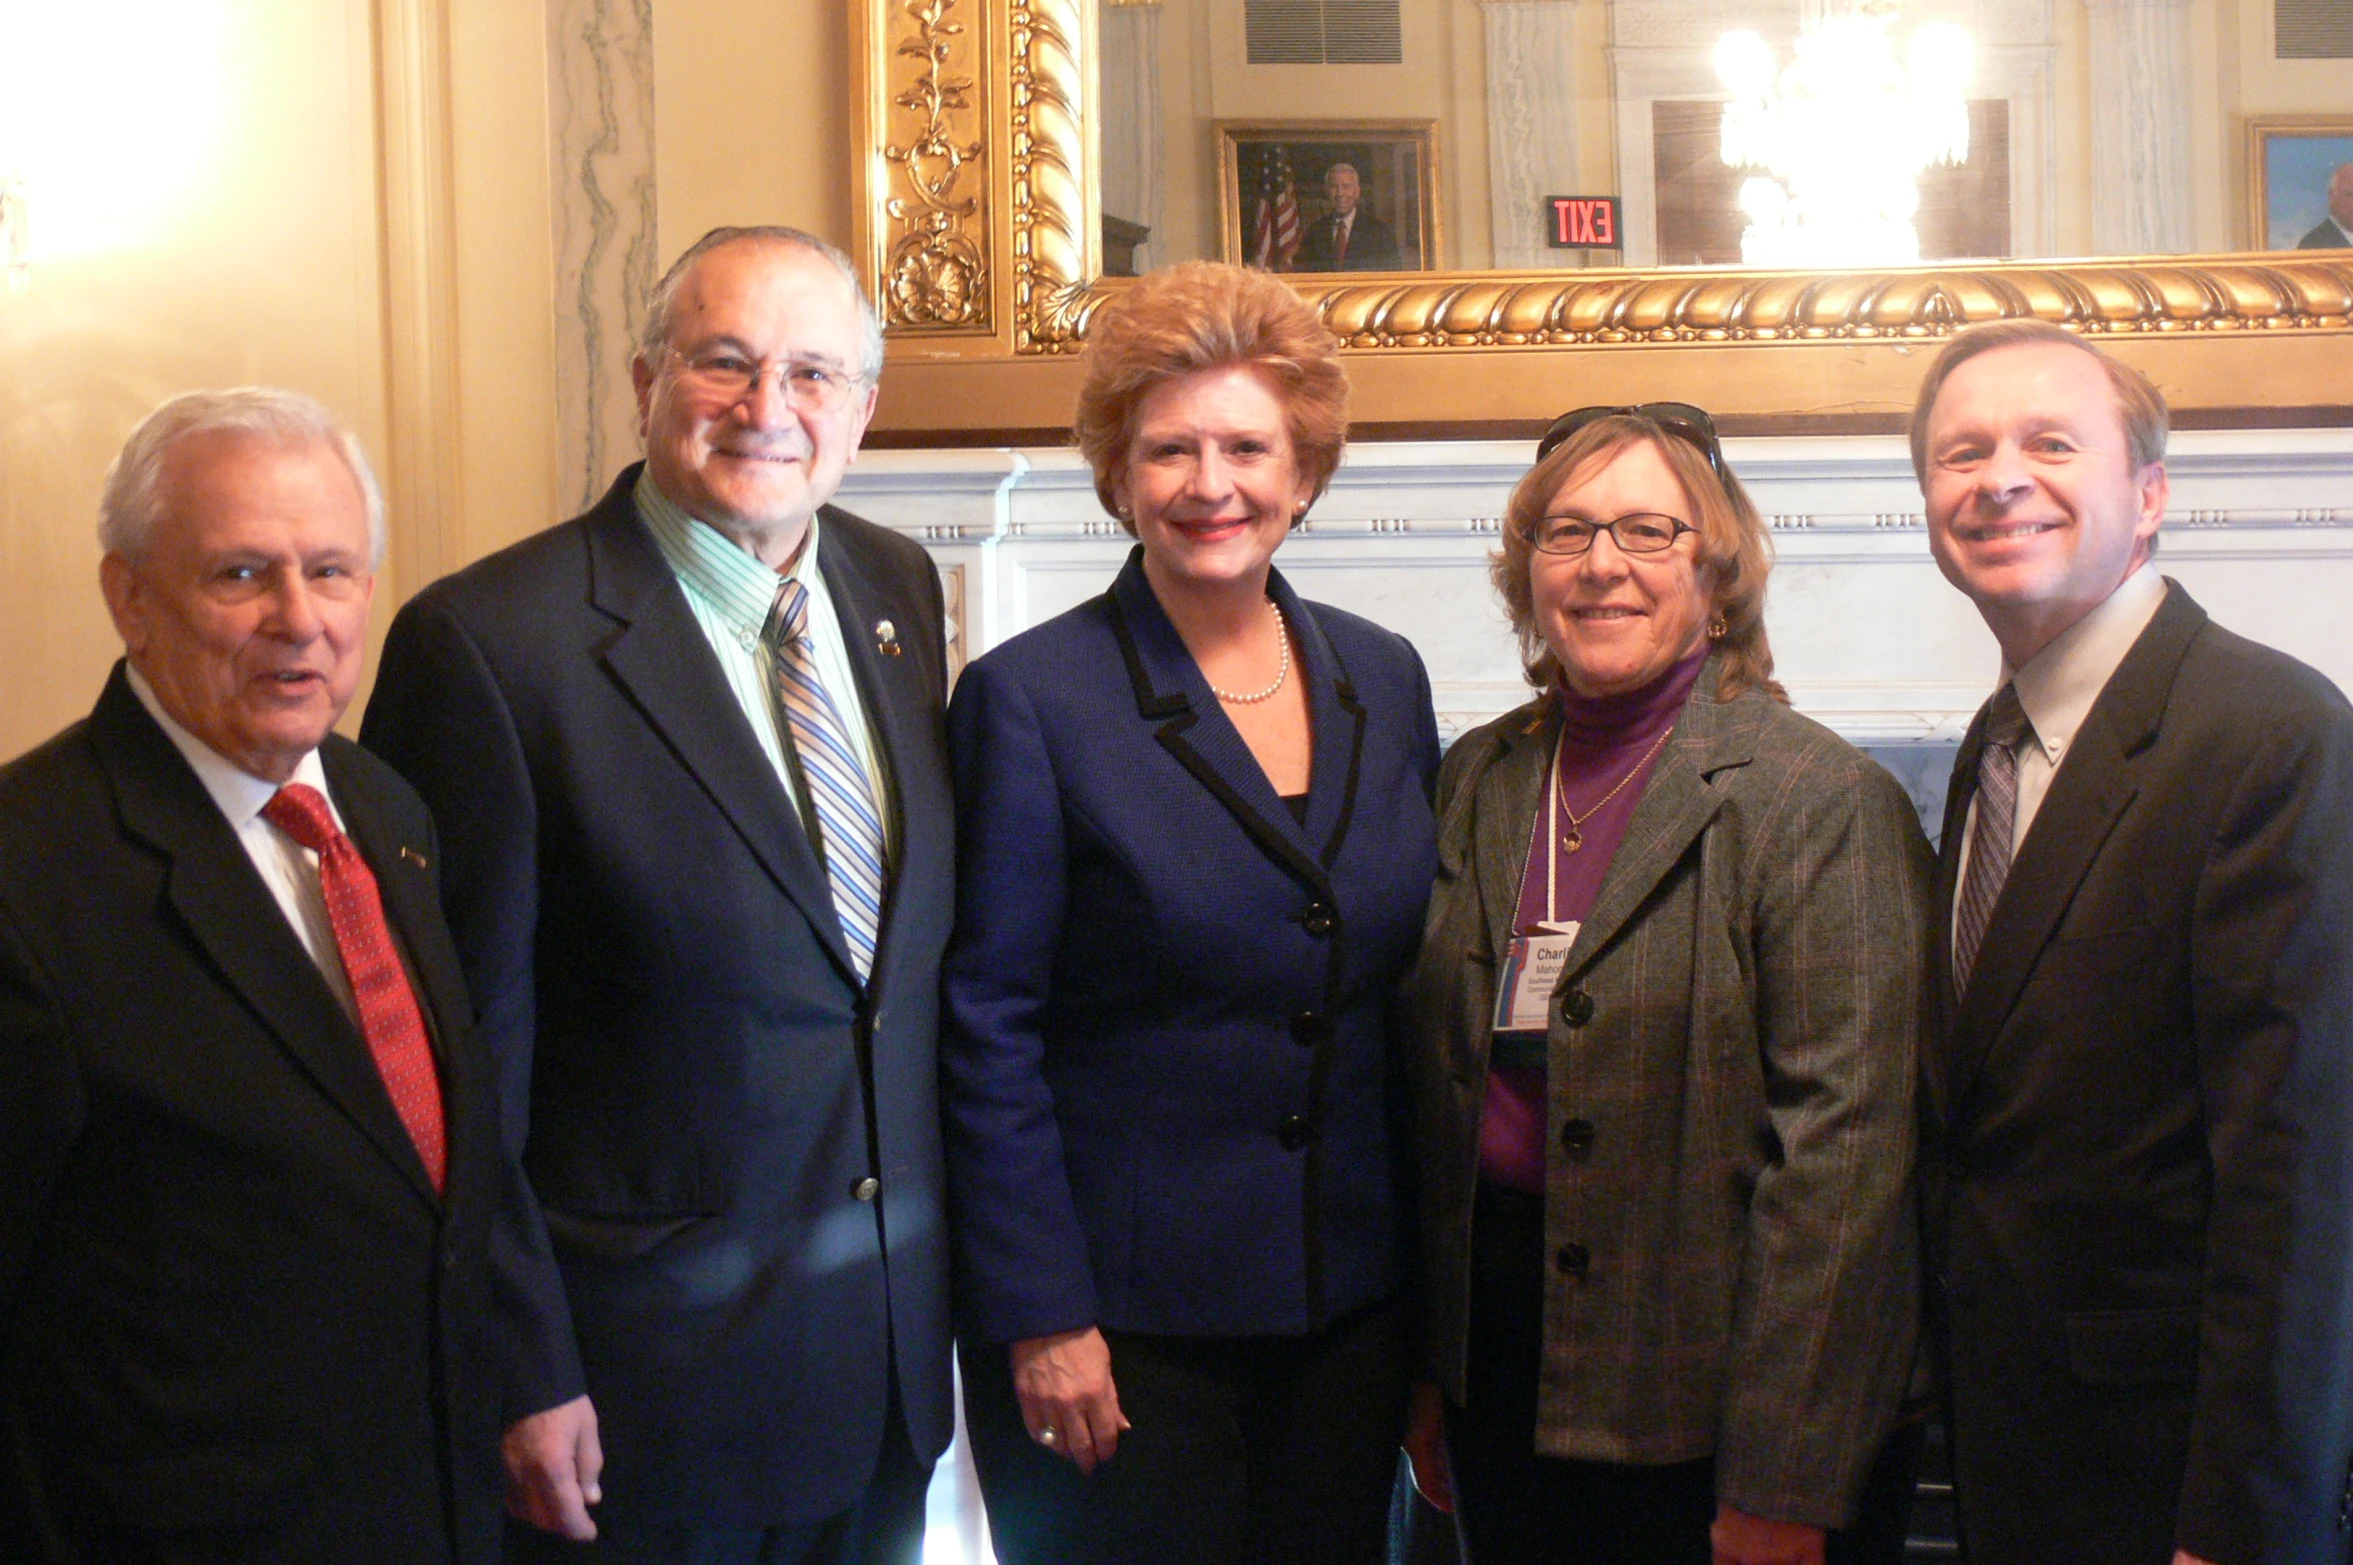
{"x": 1194, "y": 846}
{"x": 1665, "y": 1018}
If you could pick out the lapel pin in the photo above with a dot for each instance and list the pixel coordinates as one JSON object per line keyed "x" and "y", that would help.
{"x": 413, "y": 856}
{"x": 886, "y": 638}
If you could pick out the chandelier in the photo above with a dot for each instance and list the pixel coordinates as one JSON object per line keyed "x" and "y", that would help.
{"x": 1842, "y": 134}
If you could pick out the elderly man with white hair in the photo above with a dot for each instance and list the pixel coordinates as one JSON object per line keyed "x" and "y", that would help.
{"x": 250, "y": 1168}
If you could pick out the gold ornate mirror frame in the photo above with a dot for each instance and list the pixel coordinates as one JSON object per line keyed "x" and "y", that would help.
{"x": 978, "y": 225}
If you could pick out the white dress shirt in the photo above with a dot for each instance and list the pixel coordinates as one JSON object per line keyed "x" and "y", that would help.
{"x": 2057, "y": 688}
{"x": 731, "y": 594}
{"x": 289, "y": 869}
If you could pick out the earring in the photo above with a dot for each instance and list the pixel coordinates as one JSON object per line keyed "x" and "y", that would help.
{"x": 1717, "y": 628}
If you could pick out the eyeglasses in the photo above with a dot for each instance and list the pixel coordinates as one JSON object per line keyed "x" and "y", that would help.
{"x": 1686, "y": 423}
{"x": 1637, "y": 532}
{"x": 807, "y": 385}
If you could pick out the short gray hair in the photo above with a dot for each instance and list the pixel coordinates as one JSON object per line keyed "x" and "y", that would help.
{"x": 654, "y": 336}
{"x": 133, "y": 499}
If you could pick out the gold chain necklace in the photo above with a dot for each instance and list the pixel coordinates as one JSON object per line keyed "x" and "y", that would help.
{"x": 1573, "y": 839}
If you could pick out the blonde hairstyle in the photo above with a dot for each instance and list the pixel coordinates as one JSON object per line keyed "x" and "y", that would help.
{"x": 1205, "y": 315}
{"x": 2139, "y": 404}
{"x": 1733, "y": 557}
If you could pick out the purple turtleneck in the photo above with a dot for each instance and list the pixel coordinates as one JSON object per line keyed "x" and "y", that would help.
{"x": 1603, "y": 740}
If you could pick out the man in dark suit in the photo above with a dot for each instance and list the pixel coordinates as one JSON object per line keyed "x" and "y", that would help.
{"x": 1349, "y": 239}
{"x": 250, "y": 1167}
{"x": 2138, "y": 1119}
{"x": 687, "y": 750}
{"x": 2335, "y": 231}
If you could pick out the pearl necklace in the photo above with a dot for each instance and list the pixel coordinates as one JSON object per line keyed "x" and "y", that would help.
{"x": 1282, "y": 672}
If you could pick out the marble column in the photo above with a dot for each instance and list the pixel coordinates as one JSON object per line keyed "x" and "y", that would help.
{"x": 2141, "y": 122}
{"x": 1531, "y": 124}
{"x": 1130, "y": 105}
{"x": 600, "y": 56}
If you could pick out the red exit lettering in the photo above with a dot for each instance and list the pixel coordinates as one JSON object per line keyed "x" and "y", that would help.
{"x": 1588, "y": 222}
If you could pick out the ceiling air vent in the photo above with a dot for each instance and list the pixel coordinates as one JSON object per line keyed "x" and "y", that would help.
{"x": 2313, "y": 29}
{"x": 1330, "y": 32}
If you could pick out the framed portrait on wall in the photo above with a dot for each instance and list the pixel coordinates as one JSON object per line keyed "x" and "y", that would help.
{"x": 2300, "y": 183}
{"x": 1328, "y": 195}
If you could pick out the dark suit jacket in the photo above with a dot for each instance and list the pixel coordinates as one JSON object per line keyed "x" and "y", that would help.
{"x": 1372, "y": 246}
{"x": 2138, "y": 1124}
{"x": 2325, "y": 235}
{"x": 236, "y": 1323}
{"x": 706, "y": 1084}
{"x": 1736, "y": 1034}
{"x": 1167, "y": 1065}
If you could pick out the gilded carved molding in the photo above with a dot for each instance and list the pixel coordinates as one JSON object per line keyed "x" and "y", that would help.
{"x": 1592, "y": 308}
{"x": 935, "y": 271}
{"x": 1054, "y": 248}
{"x": 1051, "y": 263}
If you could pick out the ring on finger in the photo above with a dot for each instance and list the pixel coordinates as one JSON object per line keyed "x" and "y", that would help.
{"x": 1046, "y": 1436}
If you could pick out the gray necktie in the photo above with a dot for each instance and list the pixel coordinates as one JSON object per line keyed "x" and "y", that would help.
{"x": 1997, "y": 816}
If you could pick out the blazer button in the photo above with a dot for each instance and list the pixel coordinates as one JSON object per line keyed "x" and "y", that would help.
{"x": 1320, "y": 919}
{"x": 866, "y": 1189}
{"x": 1576, "y": 1007}
{"x": 1294, "y": 1133}
{"x": 1573, "y": 1258}
{"x": 1576, "y": 1137}
{"x": 1310, "y": 1028}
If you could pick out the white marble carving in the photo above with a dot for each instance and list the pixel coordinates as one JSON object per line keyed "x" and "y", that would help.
{"x": 1868, "y": 636}
{"x": 2141, "y": 123}
{"x": 1531, "y": 124}
{"x": 601, "y": 137}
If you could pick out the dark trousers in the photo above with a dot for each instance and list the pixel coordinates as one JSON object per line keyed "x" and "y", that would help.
{"x": 884, "y": 1526}
{"x": 1520, "y": 1508}
{"x": 1243, "y": 1450}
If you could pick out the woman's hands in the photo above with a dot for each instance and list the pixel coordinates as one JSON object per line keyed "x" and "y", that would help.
{"x": 1742, "y": 1539}
{"x": 1063, "y": 1383}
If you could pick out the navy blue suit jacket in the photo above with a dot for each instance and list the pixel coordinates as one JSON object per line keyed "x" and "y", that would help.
{"x": 1166, "y": 1057}
{"x": 707, "y": 1086}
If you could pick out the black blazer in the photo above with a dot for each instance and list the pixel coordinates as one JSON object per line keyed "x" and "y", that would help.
{"x": 2138, "y": 1122}
{"x": 706, "y": 1085}
{"x": 1372, "y": 246}
{"x": 1168, "y": 1067}
{"x": 235, "y": 1320}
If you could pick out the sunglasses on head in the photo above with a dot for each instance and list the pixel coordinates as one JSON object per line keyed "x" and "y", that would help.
{"x": 1686, "y": 423}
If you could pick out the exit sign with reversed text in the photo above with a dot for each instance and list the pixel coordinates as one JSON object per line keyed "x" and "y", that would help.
{"x": 1583, "y": 222}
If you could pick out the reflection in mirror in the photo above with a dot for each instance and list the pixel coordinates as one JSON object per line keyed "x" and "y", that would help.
{"x": 2093, "y": 127}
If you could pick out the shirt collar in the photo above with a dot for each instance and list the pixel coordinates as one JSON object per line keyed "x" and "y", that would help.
{"x": 2059, "y": 684}
{"x": 239, "y": 794}
{"x": 719, "y": 571}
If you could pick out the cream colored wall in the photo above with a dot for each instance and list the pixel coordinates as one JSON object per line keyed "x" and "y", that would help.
{"x": 272, "y": 275}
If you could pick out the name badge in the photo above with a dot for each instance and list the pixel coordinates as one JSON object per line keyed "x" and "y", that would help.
{"x": 1523, "y": 991}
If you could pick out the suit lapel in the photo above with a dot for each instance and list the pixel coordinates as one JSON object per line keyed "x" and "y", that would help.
{"x": 661, "y": 659}
{"x": 2094, "y": 785}
{"x": 1171, "y": 693}
{"x": 218, "y": 896}
{"x": 1676, "y": 806}
{"x": 1936, "y": 1070}
{"x": 1509, "y": 792}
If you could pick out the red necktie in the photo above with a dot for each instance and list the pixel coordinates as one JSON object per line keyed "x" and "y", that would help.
{"x": 388, "y": 1014}
{"x": 1340, "y": 244}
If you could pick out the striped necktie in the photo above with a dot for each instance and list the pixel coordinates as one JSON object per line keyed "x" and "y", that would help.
{"x": 1997, "y": 816}
{"x": 388, "y": 1015}
{"x": 847, "y": 830}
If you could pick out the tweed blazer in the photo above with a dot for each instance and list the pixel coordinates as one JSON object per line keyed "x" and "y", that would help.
{"x": 1734, "y": 1040}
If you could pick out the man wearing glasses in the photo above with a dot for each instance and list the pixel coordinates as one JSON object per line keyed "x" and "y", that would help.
{"x": 686, "y": 750}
